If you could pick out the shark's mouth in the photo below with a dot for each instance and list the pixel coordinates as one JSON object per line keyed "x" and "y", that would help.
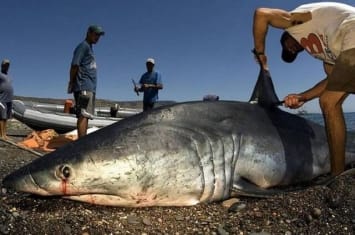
{"x": 143, "y": 200}
{"x": 111, "y": 200}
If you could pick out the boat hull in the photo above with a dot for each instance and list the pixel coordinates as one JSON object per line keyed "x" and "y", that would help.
{"x": 41, "y": 119}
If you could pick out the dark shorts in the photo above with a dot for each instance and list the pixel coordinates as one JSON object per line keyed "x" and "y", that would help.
{"x": 84, "y": 100}
{"x": 147, "y": 106}
{"x": 5, "y": 110}
{"x": 342, "y": 77}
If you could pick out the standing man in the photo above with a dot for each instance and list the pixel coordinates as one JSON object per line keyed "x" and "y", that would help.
{"x": 326, "y": 31}
{"x": 150, "y": 84}
{"x": 83, "y": 78}
{"x": 6, "y": 97}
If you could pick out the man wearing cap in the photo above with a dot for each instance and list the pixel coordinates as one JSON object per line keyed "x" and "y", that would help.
{"x": 150, "y": 84}
{"x": 6, "y": 97}
{"x": 326, "y": 31}
{"x": 83, "y": 78}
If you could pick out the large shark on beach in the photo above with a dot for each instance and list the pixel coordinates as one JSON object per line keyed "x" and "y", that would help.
{"x": 181, "y": 155}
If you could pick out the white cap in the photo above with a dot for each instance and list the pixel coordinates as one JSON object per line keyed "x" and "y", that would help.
{"x": 151, "y": 60}
{"x": 5, "y": 61}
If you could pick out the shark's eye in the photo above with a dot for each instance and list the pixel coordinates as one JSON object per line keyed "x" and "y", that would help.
{"x": 63, "y": 172}
{"x": 66, "y": 172}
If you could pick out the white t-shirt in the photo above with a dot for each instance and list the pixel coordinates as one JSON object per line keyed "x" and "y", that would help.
{"x": 330, "y": 31}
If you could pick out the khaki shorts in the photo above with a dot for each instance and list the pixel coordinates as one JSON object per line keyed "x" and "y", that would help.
{"x": 84, "y": 100}
{"x": 342, "y": 77}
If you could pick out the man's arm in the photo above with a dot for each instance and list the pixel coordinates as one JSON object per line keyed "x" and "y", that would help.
{"x": 318, "y": 89}
{"x": 159, "y": 86}
{"x": 263, "y": 17}
{"x": 72, "y": 76}
{"x": 155, "y": 86}
{"x": 297, "y": 100}
{"x": 315, "y": 91}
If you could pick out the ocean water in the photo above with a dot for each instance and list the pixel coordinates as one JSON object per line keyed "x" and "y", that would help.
{"x": 318, "y": 118}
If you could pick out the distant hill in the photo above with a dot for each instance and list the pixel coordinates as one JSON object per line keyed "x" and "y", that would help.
{"x": 99, "y": 102}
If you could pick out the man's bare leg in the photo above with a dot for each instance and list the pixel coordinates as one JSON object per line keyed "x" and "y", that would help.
{"x": 3, "y": 129}
{"x": 82, "y": 125}
{"x": 331, "y": 105}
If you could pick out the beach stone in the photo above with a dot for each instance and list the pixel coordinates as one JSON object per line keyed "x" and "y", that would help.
{"x": 4, "y": 229}
{"x": 261, "y": 233}
{"x": 131, "y": 219}
{"x": 316, "y": 212}
{"x": 237, "y": 207}
{"x": 3, "y": 190}
{"x": 228, "y": 203}
{"x": 179, "y": 218}
{"x": 67, "y": 229}
{"x": 221, "y": 230}
{"x": 147, "y": 221}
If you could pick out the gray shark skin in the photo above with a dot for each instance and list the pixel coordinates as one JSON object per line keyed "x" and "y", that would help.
{"x": 182, "y": 155}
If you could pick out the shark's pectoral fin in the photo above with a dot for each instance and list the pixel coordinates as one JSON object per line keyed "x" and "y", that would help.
{"x": 243, "y": 187}
{"x": 327, "y": 180}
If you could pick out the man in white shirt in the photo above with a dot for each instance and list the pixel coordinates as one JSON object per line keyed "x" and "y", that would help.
{"x": 325, "y": 30}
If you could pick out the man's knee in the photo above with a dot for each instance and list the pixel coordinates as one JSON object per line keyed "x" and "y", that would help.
{"x": 328, "y": 104}
{"x": 325, "y": 103}
{"x": 331, "y": 100}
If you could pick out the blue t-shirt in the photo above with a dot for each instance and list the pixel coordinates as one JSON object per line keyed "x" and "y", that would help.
{"x": 84, "y": 58}
{"x": 151, "y": 94}
{"x": 6, "y": 89}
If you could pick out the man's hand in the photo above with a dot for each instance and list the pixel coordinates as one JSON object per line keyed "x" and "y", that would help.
{"x": 293, "y": 101}
{"x": 260, "y": 58}
{"x": 263, "y": 62}
{"x": 145, "y": 85}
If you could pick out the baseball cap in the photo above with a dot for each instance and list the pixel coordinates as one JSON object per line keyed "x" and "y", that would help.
{"x": 286, "y": 55}
{"x": 151, "y": 60}
{"x": 96, "y": 29}
{"x": 5, "y": 61}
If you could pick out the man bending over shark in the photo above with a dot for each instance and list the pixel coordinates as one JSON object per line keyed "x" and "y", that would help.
{"x": 326, "y": 31}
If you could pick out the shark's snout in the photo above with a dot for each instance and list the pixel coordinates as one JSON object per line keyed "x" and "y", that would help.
{"x": 22, "y": 181}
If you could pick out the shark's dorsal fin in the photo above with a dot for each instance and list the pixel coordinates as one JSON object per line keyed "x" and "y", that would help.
{"x": 264, "y": 92}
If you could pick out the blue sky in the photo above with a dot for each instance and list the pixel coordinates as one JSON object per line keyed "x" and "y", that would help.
{"x": 200, "y": 47}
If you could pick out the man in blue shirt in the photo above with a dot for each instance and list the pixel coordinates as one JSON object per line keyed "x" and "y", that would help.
{"x": 83, "y": 78}
{"x": 6, "y": 97}
{"x": 150, "y": 84}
